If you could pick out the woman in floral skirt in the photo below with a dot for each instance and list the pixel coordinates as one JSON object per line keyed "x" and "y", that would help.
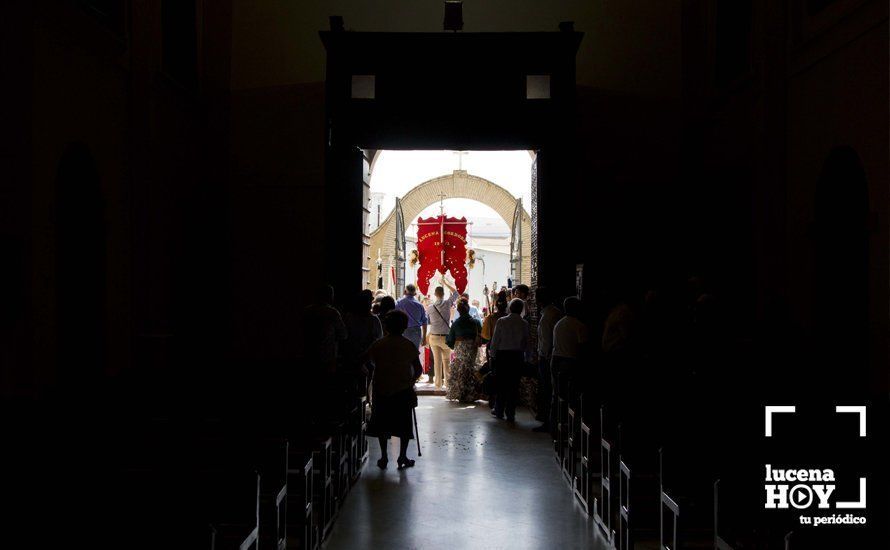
{"x": 463, "y": 338}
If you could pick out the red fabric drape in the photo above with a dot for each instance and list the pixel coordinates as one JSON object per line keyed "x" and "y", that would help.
{"x": 438, "y": 235}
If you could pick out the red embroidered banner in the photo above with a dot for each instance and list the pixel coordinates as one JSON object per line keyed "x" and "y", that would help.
{"x": 442, "y": 247}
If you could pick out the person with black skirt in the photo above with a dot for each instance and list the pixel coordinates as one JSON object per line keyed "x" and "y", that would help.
{"x": 396, "y": 367}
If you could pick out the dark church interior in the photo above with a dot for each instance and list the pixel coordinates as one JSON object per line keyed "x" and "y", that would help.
{"x": 182, "y": 180}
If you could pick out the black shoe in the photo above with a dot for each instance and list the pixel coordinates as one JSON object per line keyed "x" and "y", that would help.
{"x": 543, "y": 428}
{"x": 496, "y": 415}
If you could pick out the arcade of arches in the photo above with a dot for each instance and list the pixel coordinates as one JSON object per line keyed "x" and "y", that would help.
{"x": 459, "y": 184}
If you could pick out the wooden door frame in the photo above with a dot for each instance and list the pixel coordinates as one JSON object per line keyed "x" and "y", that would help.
{"x": 494, "y": 114}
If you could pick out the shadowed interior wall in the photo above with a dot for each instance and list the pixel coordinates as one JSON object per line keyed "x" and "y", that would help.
{"x": 630, "y": 46}
{"x": 839, "y": 87}
{"x": 278, "y": 132}
{"x": 213, "y": 197}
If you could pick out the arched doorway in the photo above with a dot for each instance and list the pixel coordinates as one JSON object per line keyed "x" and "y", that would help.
{"x": 488, "y": 105}
{"x": 459, "y": 184}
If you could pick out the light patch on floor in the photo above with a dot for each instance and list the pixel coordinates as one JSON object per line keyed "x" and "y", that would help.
{"x": 481, "y": 483}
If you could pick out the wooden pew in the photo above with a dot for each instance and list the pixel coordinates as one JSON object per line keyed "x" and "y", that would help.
{"x": 313, "y": 476}
{"x": 733, "y": 528}
{"x": 587, "y": 479}
{"x": 234, "y": 515}
{"x": 572, "y": 453}
{"x": 300, "y": 527}
{"x": 365, "y": 414}
{"x": 356, "y": 427}
{"x": 604, "y": 511}
{"x": 223, "y": 446}
{"x": 562, "y": 412}
{"x": 638, "y": 489}
{"x": 342, "y": 477}
{"x": 189, "y": 492}
{"x": 686, "y": 477}
{"x": 323, "y": 497}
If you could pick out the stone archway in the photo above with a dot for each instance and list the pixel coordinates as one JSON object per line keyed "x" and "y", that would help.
{"x": 457, "y": 185}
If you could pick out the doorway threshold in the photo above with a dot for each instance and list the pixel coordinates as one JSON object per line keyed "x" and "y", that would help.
{"x": 426, "y": 388}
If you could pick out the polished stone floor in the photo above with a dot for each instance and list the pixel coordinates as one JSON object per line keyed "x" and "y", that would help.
{"x": 481, "y": 483}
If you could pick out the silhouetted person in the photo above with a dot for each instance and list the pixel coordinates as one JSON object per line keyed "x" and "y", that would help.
{"x": 500, "y": 310}
{"x": 439, "y": 315}
{"x": 386, "y": 304}
{"x": 488, "y": 324}
{"x": 522, "y": 292}
{"x": 362, "y": 328}
{"x": 509, "y": 345}
{"x": 548, "y": 315}
{"x": 474, "y": 306}
{"x": 618, "y": 329}
{"x": 475, "y": 311}
{"x": 463, "y": 338}
{"x": 570, "y": 337}
{"x": 396, "y": 367}
{"x": 324, "y": 330}
{"x": 417, "y": 319}
{"x": 426, "y": 351}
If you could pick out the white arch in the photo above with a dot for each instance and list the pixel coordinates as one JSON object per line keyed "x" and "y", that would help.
{"x": 458, "y": 184}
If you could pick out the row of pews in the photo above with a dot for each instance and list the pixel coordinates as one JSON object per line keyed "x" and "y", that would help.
{"x": 660, "y": 463}
{"x": 244, "y": 479}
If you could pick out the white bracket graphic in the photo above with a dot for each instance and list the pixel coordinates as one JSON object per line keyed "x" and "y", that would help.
{"x": 858, "y": 409}
{"x": 770, "y": 409}
{"x": 860, "y": 503}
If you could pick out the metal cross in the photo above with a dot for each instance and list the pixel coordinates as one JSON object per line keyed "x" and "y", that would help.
{"x": 460, "y": 158}
{"x": 442, "y": 203}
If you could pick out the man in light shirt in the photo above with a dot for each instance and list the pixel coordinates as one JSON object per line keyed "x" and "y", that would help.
{"x": 548, "y": 316}
{"x": 439, "y": 315}
{"x": 417, "y": 321}
{"x": 569, "y": 340}
{"x": 508, "y": 347}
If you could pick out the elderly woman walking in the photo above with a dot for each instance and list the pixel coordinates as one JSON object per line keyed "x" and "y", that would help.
{"x": 396, "y": 367}
{"x": 463, "y": 338}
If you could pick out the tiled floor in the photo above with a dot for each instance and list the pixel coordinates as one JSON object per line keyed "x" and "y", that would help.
{"x": 481, "y": 483}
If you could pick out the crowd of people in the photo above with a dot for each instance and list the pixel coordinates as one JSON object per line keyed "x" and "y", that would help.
{"x": 474, "y": 352}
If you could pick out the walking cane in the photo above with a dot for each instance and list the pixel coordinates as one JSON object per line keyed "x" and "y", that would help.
{"x": 416, "y": 432}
